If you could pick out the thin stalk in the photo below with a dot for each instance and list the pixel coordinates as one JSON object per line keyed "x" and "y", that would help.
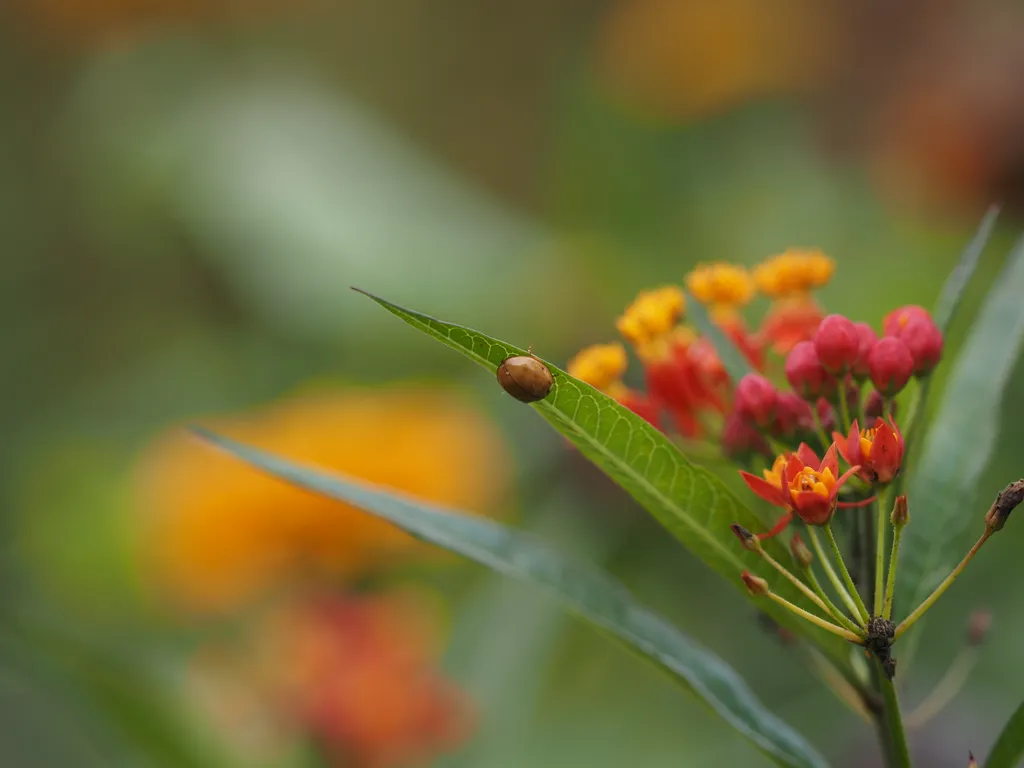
{"x": 890, "y": 584}
{"x": 949, "y": 686}
{"x": 828, "y": 626}
{"x": 862, "y": 611}
{"x": 892, "y": 721}
{"x": 834, "y": 680}
{"x": 822, "y": 434}
{"x": 807, "y": 591}
{"x": 929, "y": 601}
{"x": 830, "y": 572}
{"x": 833, "y": 610}
{"x": 880, "y": 553}
{"x": 844, "y": 410}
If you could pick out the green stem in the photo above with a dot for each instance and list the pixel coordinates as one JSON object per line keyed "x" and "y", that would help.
{"x": 892, "y": 721}
{"x": 862, "y": 610}
{"x": 830, "y": 572}
{"x": 822, "y": 435}
{"x": 844, "y": 409}
{"x": 878, "y": 593}
{"x": 890, "y": 584}
{"x": 929, "y": 601}
{"x": 833, "y": 609}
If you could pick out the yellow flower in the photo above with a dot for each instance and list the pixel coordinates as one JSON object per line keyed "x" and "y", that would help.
{"x": 652, "y": 315}
{"x": 599, "y": 365}
{"x": 721, "y": 285}
{"x": 215, "y": 533}
{"x": 793, "y": 273}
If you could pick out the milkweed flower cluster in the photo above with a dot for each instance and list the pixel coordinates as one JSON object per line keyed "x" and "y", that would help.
{"x": 812, "y": 425}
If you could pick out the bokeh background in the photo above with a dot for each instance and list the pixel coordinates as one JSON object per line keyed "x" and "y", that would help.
{"x": 189, "y": 188}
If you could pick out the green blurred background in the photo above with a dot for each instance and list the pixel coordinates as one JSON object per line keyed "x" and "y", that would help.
{"x": 189, "y": 188}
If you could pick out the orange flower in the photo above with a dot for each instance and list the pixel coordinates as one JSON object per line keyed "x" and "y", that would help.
{"x": 794, "y": 484}
{"x": 358, "y": 673}
{"x": 878, "y": 451}
{"x": 215, "y": 532}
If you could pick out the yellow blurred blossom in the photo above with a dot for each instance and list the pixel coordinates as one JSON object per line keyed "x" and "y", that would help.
{"x": 215, "y": 532}
{"x": 599, "y": 365}
{"x": 652, "y": 315}
{"x": 793, "y": 273}
{"x": 723, "y": 287}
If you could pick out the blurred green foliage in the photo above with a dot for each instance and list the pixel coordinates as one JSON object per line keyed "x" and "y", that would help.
{"x": 186, "y": 199}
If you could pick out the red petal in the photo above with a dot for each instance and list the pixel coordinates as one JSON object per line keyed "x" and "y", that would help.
{"x": 831, "y": 461}
{"x": 765, "y": 490}
{"x": 778, "y": 528}
{"x": 807, "y": 455}
{"x": 813, "y": 508}
{"x": 886, "y": 455}
{"x": 843, "y": 478}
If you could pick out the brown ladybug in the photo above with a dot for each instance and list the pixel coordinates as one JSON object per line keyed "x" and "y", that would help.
{"x": 525, "y": 377}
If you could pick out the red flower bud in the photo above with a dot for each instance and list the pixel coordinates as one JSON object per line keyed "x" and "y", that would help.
{"x": 755, "y": 584}
{"x": 793, "y": 416}
{"x": 873, "y": 405}
{"x": 801, "y": 554}
{"x": 748, "y": 540}
{"x": 740, "y": 440}
{"x": 837, "y": 344}
{"x": 924, "y": 340}
{"x": 805, "y": 373}
{"x": 891, "y": 365}
{"x": 866, "y": 338}
{"x": 826, "y": 413}
{"x": 755, "y": 399}
{"x": 896, "y": 321}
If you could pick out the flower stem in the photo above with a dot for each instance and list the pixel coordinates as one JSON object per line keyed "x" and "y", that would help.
{"x": 862, "y": 611}
{"x": 844, "y": 409}
{"x": 892, "y": 722}
{"x": 918, "y": 612}
{"x": 822, "y": 434}
{"x": 828, "y": 626}
{"x": 832, "y": 577}
{"x": 882, "y": 515}
{"x": 890, "y": 584}
{"x": 833, "y": 610}
{"x": 807, "y": 591}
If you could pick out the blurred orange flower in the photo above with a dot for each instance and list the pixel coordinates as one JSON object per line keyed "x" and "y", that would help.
{"x": 215, "y": 532}
{"x": 356, "y": 673}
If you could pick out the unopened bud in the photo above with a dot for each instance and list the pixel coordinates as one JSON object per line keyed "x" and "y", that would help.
{"x": 800, "y": 552}
{"x": 747, "y": 539}
{"x": 755, "y": 584}
{"x": 1005, "y": 503}
{"x": 971, "y": 762}
{"x": 978, "y": 626}
{"x": 900, "y": 512}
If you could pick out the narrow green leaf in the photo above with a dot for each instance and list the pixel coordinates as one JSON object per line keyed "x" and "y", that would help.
{"x": 733, "y": 360}
{"x": 955, "y": 285}
{"x": 959, "y": 445}
{"x": 1009, "y": 748}
{"x": 693, "y": 504}
{"x": 583, "y": 589}
{"x": 945, "y": 309}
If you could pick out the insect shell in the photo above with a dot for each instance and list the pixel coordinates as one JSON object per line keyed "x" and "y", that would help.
{"x": 525, "y": 377}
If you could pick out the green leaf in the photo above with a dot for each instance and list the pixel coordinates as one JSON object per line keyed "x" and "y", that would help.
{"x": 955, "y": 285}
{"x": 1009, "y": 748}
{"x": 584, "y": 590}
{"x": 733, "y": 360}
{"x": 958, "y": 447}
{"x": 688, "y": 500}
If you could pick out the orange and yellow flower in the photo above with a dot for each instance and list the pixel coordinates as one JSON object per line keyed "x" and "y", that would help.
{"x": 215, "y": 533}
{"x": 878, "y": 450}
{"x": 788, "y": 279}
{"x": 601, "y": 366}
{"x": 801, "y": 484}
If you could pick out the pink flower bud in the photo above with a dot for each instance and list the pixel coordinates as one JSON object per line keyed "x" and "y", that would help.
{"x": 805, "y": 372}
{"x": 891, "y": 365}
{"x": 897, "y": 320}
{"x": 755, "y": 584}
{"x": 755, "y": 399}
{"x": 740, "y": 440}
{"x": 837, "y": 344}
{"x": 866, "y": 338}
{"x": 793, "y": 416}
{"x": 873, "y": 406}
{"x": 924, "y": 340}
